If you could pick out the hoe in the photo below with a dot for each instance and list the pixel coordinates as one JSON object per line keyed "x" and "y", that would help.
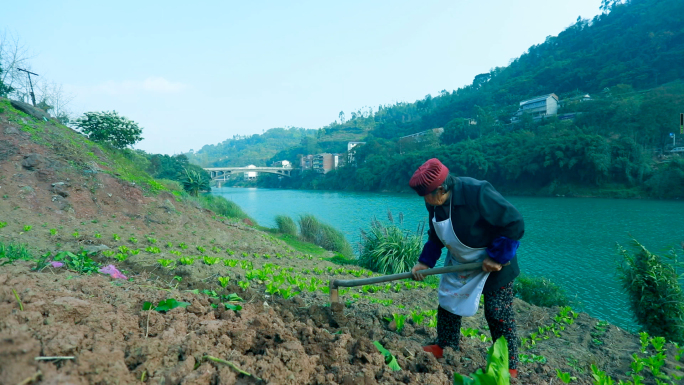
{"x": 334, "y": 285}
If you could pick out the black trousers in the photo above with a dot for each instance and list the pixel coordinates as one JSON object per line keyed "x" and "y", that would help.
{"x": 498, "y": 307}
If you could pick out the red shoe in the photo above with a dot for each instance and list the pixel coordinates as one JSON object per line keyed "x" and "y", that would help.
{"x": 435, "y": 350}
{"x": 513, "y": 372}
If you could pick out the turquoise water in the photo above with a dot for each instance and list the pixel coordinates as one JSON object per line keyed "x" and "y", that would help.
{"x": 570, "y": 240}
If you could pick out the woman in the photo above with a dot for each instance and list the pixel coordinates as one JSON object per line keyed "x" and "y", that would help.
{"x": 476, "y": 224}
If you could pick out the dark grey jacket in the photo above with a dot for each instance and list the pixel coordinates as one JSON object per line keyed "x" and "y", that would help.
{"x": 479, "y": 215}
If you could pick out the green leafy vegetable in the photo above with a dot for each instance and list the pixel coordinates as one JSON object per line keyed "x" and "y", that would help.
{"x": 390, "y": 360}
{"x": 497, "y": 368}
{"x": 169, "y": 304}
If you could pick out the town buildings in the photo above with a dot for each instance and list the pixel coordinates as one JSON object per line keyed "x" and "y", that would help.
{"x": 323, "y": 163}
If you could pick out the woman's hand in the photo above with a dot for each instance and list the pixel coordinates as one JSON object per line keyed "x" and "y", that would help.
{"x": 489, "y": 265}
{"x": 416, "y": 271}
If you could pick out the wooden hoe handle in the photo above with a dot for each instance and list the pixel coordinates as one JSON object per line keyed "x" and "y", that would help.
{"x": 334, "y": 285}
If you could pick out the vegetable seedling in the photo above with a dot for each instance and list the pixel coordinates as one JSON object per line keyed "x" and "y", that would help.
{"x": 165, "y": 305}
{"x": 390, "y": 360}
{"x": 223, "y": 281}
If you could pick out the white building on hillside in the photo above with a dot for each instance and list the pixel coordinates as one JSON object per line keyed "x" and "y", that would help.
{"x": 538, "y": 107}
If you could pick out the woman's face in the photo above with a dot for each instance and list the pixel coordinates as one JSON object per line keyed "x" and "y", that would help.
{"x": 437, "y": 197}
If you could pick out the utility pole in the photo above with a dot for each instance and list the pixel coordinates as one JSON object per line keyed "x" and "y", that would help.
{"x": 29, "y": 73}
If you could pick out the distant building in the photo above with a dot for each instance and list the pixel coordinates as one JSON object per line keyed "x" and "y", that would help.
{"x": 324, "y": 163}
{"x": 251, "y": 175}
{"x": 351, "y": 151}
{"x": 282, "y": 163}
{"x": 538, "y": 107}
{"x": 306, "y": 162}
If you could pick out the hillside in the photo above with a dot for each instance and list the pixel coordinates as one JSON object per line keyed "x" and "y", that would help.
{"x": 255, "y": 149}
{"x": 70, "y": 206}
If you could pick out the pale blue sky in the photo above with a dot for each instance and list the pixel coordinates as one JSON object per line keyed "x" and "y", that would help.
{"x": 195, "y": 73}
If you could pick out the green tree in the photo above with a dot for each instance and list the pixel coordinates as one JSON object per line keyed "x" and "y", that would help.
{"x": 194, "y": 182}
{"x": 109, "y": 127}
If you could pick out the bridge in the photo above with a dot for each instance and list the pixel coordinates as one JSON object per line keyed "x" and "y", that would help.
{"x": 221, "y": 173}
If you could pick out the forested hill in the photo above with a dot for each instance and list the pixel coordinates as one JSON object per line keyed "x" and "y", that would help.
{"x": 629, "y": 59}
{"x": 640, "y": 44}
{"x": 254, "y": 149}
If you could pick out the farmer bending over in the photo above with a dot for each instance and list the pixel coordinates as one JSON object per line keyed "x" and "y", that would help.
{"x": 476, "y": 224}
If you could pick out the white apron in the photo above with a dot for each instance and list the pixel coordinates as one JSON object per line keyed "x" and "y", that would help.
{"x": 459, "y": 292}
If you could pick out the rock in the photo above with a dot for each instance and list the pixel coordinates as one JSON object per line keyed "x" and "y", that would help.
{"x": 59, "y": 189}
{"x": 34, "y": 162}
{"x": 60, "y": 202}
{"x": 95, "y": 248}
{"x": 168, "y": 206}
{"x": 11, "y": 131}
{"x": 29, "y": 109}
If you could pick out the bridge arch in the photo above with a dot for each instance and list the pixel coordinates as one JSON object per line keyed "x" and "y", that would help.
{"x": 221, "y": 173}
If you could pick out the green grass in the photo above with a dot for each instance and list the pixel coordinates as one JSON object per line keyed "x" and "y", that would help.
{"x": 286, "y": 225}
{"x": 323, "y": 235}
{"x": 388, "y": 249}
{"x": 221, "y": 206}
{"x": 342, "y": 260}
{"x": 655, "y": 294}
{"x": 14, "y": 252}
{"x": 301, "y": 246}
{"x": 540, "y": 291}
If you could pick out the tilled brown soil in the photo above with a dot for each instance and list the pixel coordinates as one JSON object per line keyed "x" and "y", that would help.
{"x": 99, "y": 321}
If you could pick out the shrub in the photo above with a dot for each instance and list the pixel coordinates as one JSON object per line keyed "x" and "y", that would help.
{"x": 171, "y": 185}
{"x": 389, "y": 249}
{"x": 195, "y": 181}
{"x": 109, "y": 127}
{"x": 540, "y": 291}
{"x": 286, "y": 225}
{"x": 323, "y": 235}
{"x": 655, "y": 295}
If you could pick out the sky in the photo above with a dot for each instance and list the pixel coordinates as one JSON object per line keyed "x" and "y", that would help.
{"x": 196, "y": 73}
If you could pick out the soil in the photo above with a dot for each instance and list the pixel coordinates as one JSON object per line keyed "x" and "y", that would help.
{"x": 53, "y": 178}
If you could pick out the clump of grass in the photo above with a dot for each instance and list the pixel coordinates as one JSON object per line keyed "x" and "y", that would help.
{"x": 221, "y": 206}
{"x": 13, "y": 252}
{"x": 323, "y": 235}
{"x": 540, "y": 291}
{"x": 286, "y": 225}
{"x": 388, "y": 249}
{"x": 656, "y": 297}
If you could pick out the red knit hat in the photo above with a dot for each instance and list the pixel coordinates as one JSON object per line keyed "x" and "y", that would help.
{"x": 428, "y": 177}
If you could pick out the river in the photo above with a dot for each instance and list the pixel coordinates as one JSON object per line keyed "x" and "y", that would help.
{"x": 569, "y": 240}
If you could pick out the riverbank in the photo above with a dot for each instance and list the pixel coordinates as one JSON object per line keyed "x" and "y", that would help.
{"x": 612, "y": 191}
{"x": 562, "y": 236}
